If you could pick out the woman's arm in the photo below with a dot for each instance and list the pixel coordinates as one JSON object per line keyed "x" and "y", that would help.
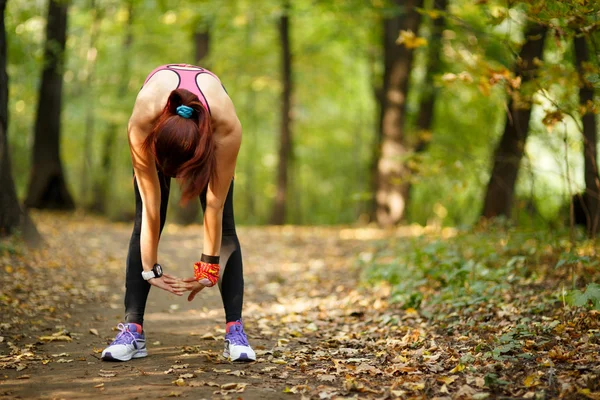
{"x": 144, "y": 166}
{"x": 228, "y": 133}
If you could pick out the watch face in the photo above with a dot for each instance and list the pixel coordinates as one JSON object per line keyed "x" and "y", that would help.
{"x": 158, "y": 269}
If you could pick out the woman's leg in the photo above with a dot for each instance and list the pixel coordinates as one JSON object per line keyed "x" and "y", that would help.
{"x": 231, "y": 283}
{"x": 136, "y": 292}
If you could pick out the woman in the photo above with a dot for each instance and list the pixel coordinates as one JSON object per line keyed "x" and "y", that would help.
{"x": 184, "y": 126}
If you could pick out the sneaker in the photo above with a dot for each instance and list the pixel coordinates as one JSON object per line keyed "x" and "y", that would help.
{"x": 236, "y": 344}
{"x": 128, "y": 344}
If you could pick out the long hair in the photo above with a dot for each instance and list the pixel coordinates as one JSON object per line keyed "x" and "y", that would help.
{"x": 184, "y": 148}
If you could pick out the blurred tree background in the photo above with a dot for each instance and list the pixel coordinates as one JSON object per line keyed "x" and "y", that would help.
{"x": 365, "y": 142}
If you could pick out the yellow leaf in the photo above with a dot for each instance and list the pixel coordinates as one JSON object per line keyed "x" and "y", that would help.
{"x": 59, "y": 338}
{"x": 179, "y": 382}
{"x": 531, "y": 380}
{"x": 458, "y": 368}
{"x": 447, "y": 379}
{"x": 8, "y": 269}
{"x": 410, "y": 40}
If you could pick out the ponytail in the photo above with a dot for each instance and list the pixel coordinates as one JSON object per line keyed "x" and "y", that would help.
{"x": 183, "y": 144}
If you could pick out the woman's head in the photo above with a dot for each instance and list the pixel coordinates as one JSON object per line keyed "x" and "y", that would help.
{"x": 183, "y": 144}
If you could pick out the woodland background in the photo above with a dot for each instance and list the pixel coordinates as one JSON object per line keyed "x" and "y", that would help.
{"x": 451, "y": 145}
{"x": 341, "y": 102}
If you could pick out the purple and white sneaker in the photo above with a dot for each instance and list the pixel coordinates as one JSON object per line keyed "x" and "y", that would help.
{"x": 236, "y": 344}
{"x": 129, "y": 343}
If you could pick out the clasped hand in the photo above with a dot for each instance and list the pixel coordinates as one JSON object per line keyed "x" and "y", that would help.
{"x": 179, "y": 286}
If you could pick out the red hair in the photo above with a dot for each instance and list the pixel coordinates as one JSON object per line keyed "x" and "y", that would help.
{"x": 184, "y": 148}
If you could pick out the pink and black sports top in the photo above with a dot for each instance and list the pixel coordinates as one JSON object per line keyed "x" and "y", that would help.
{"x": 187, "y": 75}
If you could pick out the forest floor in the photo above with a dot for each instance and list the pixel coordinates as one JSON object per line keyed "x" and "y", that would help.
{"x": 318, "y": 332}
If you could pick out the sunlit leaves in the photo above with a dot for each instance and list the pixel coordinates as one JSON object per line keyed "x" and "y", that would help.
{"x": 409, "y": 40}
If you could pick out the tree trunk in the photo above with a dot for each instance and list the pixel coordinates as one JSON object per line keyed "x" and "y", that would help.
{"x": 429, "y": 90}
{"x": 47, "y": 186}
{"x": 12, "y": 217}
{"x": 392, "y": 176}
{"x": 591, "y": 198}
{"x": 507, "y": 157}
{"x": 202, "y": 44}
{"x": 102, "y": 185}
{"x": 429, "y": 95}
{"x": 90, "y": 70}
{"x": 285, "y": 145}
{"x": 251, "y": 126}
{"x": 188, "y": 213}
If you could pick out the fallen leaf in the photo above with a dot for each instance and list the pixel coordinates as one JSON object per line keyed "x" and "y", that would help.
{"x": 179, "y": 382}
{"x": 59, "y": 338}
{"x": 99, "y": 385}
{"x": 107, "y": 374}
{"x": 233, "y": 386}
{"x": 458, "y": 368}
{"x": 238, "y": 372}
{"x": 221, "y": 371}
{"x": 531, "y": 380}
{"x": 208, "y": 336}
{"x": 447, "y": 379}
{"x": 180, "y": 366}
{"x": 326, "y": 378}
{"x": 24, "y": 377}
{"x": 94, "y": 332}
{"x": 187, "y": 376}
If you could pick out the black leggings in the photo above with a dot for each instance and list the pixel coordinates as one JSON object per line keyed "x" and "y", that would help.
{"x": 231, "y": 281}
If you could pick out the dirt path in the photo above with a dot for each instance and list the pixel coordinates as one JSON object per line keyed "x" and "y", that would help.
{"x": 298, "y": 289}
{"x": 317, "y": 334}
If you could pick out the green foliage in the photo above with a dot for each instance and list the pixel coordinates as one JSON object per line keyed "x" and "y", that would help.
{"x": 589, "y": 297}
{"x": 336, "y": 70}
{"x": 472, "y": 268}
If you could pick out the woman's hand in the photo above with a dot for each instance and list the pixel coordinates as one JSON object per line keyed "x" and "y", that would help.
{"x": 165, "y": 282}
{"x": 188, "y": 284}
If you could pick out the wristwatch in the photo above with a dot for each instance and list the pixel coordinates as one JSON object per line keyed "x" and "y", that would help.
{"x": 156, "y": 272}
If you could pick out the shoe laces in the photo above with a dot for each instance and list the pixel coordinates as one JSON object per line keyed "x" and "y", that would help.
{"x": 125, "y": 336}
{"x": 237, "y": 336}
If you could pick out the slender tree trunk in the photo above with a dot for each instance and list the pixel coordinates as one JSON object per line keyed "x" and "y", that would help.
{"x": 392, "y": 176}
{"x": 509, "y": 152}
{"x": 102, "y": 185}
{"x": 434, "y": 62}
{"x": 202, "y": 44}
{"x": 90, "y": 70}
{"x": 12, "y": 216}
{"x": 430, "y": 91}
{"x": 188, "y": 213}
{"x": 47, "y": 186}
{"x": 285, "y": 145}
{"x": 591, "y": 198}
{"x": 251, "y": 143}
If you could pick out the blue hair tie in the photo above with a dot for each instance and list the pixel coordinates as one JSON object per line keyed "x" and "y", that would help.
{"x": 185, "y": 111}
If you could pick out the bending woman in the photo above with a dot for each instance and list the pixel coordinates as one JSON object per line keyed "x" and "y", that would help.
{"x": 183, "y": 126}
